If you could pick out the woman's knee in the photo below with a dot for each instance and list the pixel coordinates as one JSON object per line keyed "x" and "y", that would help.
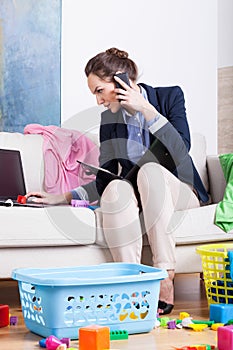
{"x": 118, "y": 194}
{"x": 149, "y": 168}
{"x": 150, "y": 174}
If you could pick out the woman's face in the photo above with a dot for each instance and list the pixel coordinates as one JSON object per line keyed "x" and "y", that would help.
{"x": 104, "y": 92}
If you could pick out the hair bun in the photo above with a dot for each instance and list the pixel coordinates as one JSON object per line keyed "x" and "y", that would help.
{"x": 116, "y": 52}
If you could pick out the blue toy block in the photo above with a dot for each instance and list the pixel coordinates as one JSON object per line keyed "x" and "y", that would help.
{"x": 221, "y": 313}
{"x": 42, "y": 343}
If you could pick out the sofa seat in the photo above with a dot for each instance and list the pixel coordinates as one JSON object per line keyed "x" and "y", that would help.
{"x": 197, "y": 228}
{"x": 44, "y": 227}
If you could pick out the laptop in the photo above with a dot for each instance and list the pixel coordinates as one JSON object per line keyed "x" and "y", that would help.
{"x": 12, "y": 181}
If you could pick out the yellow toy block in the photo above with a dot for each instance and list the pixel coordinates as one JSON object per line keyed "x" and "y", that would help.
{"x": 184, "y": 315}
{"x": 215, "y": 326}
{"x": 197, "y": 327}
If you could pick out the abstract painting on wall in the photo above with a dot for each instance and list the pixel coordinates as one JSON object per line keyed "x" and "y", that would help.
{"x": 30, "y": 63}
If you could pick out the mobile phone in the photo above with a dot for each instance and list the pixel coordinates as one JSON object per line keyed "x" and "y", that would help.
{"x": 124, "y": 77}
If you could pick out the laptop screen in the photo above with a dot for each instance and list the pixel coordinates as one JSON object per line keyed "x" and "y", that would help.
{"x": 11, "y": 175}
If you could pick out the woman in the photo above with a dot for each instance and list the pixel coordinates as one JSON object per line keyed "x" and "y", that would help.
{"x": 140, "y": 120}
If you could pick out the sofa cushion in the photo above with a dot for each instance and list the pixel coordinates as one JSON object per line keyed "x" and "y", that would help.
{"x": 30, "y": 147}
{"x": 50, "y": 226}
{"x": 197, "y": 226}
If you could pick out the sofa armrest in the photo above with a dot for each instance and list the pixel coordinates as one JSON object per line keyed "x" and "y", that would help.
{"x": 217, "y": 181}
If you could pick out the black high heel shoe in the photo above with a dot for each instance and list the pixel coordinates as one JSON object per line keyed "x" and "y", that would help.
{"x": 167, "y": 308}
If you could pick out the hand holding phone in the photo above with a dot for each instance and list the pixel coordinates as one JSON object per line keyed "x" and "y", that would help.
{"x": 124, "y": 77}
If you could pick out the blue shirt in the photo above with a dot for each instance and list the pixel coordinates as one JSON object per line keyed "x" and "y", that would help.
{"x": 138, "y": 134}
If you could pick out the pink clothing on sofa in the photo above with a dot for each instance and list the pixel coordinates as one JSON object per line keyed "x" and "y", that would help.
{"x": 62, "y": 147}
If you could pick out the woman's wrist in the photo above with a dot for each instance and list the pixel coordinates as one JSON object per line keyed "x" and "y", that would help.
{"x": 67, "y": 197}
{"x": 149, "y": 112}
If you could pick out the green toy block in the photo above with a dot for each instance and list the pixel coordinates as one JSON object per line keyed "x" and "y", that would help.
{"x": 229, "y": 322}
{"x": 164, "y": 321}
{"x": 118, "y": 335}
{"x": 208, "y": 323}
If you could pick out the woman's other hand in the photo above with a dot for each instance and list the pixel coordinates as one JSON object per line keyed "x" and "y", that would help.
{"x": 49, "y": 198}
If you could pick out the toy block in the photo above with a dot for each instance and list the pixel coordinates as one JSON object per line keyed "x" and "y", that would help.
{"x": 164, "y": 321}
{"x": 171, "y": 324}
{"x": 52, "y": 342}
{"x": 66, "y": 341}
{"x": 225, "y": 337}
{"x": 42, "y": 343}
{"x": 21, "y": 199}
{"x": 79, "y": 203}
{"x": 202, "y": 347}
{"x": 221, "y": 313}
{"x": 118, "y": 335}
{"x": 4, "y": 315}
{"x": 208, "y": 323}
{"x": 229, "y": 322}
{"x": 13, "y": 320}
{"x": 186, "y": 321}
{"x": 184, "y": 315}
{"x": 62, "y": 347}
{"x": 197, "y": 327}
{"x": 94, "y": 337}
{"x": 55, "y": 342}
{"x": 197, "y": 347}
{"x": 215, "y": 326}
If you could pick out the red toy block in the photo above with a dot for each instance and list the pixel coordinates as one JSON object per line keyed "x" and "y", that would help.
{"x": 94, "y": 338}
{"x": 4, "y": 315}
{"x": 21, "y": 199}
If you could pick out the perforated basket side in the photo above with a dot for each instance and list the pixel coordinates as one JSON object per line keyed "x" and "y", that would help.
{"x": 216, "y": 273}
{"x": 63, "y": 310}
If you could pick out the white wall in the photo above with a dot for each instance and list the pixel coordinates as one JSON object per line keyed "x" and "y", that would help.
{"x": 225, "y": 33}
{"x": 173, "y": 43}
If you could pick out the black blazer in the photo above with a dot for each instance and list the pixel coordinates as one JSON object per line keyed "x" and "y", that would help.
{"x": 174, "y": 135}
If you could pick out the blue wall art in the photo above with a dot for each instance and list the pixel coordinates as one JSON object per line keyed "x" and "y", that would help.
{"x": 30, "y": 63}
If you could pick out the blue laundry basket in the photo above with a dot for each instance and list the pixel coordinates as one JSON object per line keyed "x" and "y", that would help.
{"x": 58, "y": 301}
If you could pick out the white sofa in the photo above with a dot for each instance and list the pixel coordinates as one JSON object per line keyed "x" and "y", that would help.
{"x": 65, "y": 236}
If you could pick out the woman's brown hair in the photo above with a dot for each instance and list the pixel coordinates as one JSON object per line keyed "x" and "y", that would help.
{"x": 106, "y": 64}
